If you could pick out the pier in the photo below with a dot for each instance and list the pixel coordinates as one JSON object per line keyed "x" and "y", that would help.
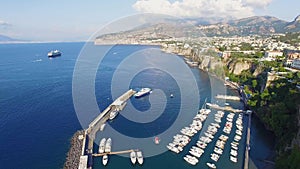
{"x": 95, "y": 126}
{"x": 114, "y": 153}
{"x": 246, "y": 161}
{"x": 226, "y": 97}
{"x": 226, "y": 108}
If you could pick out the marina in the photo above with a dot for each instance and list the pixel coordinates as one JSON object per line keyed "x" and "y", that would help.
{"x": 196, "y": 151}
{"x": 181, "y": 139}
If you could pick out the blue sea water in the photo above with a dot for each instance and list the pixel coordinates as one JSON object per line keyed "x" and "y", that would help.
{"x": 37, "y": 116}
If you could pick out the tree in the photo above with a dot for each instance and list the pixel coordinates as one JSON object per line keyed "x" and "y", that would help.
{"x": 254, "y": 83}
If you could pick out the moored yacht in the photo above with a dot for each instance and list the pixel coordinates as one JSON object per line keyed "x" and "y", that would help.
{"x": 211, "y": 165}
{"x": 104, "y": 160}
{"x": 102, "y": 145}
{"x": 113, "y": 114}
{"x": 140, "y": 157}
{"x": 108, "y": 146}
{"x": 191, "y": 159}
{"x": 133, "y": 157}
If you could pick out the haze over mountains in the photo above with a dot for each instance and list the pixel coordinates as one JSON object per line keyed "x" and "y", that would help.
{"x": 260, "y": 25}
{"x": 4, "y": 38}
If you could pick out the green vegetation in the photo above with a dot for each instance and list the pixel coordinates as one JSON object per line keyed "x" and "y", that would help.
{"x": 276, "y": 106}
{"x": 289, "y": 160}
{"x": 244, "y": 55}
{"x": 246, "y": 46}
{"x": 290, "y": 38}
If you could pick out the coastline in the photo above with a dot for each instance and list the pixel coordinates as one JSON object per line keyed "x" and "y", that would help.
{"x": 73, "y": 156}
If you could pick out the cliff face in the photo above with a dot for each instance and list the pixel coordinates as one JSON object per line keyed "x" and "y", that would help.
{"x": 236, "y": 66}
{"x": 210, "y": 61}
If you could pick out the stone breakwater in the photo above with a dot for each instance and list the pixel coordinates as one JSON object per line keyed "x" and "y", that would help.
{"x": 73, "y": 156}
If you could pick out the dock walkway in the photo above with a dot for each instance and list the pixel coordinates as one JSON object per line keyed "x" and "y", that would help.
{"x": 246, "y": 161}
{"x": 227, "y": 97}
{"x": 226, "y": 108}
{"x": 116, "y": 152}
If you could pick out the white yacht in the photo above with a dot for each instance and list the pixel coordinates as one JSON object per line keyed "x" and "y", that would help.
{"x": 211, "y": 165}
{"x": 233, "y": 159}
{"x": 191, "y": 160}
{"x": 214, "y": 157}
{"x": 140, "y": 157}
{"x": 113, "y": 114}
{"x": 104, "y": 159}
{"x": 108, "y": 146}
{"x": 102, "y": 145}
{"x": 172, "y": 148}
{"x": 133, "y": 157}
{"x": 142, "y": 92}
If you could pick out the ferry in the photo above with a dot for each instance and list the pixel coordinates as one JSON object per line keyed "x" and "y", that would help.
{"x": 140, "y": 158}
{"x": 133, "y": 157}
{"x": 142, "y": 92}
{"x": 54, "y": 53}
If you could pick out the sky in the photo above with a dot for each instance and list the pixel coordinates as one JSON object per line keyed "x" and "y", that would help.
{"x": 77, "y": 20}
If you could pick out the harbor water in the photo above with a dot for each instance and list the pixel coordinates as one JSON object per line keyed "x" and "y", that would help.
{"x": 37, "y": 116}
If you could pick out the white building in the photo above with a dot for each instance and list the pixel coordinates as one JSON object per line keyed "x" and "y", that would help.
{"x": 271, "y": 55}
{"x": 296, "y": 64}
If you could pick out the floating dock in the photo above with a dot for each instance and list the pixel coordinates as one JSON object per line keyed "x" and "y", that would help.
{"x": 226, "y": 108}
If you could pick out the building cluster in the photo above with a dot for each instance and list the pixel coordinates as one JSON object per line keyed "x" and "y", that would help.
{"x": 272, "y": 48}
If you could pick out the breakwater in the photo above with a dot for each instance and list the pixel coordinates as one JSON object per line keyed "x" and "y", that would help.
{"x": 73, "y": 156}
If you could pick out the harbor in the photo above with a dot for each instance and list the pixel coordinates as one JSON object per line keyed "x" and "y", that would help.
{"x": 218, "y": 130}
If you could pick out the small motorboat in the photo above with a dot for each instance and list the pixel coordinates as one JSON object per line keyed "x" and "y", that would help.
{"x": 140, "y": 157}
{"x": 104, "y": 160}
{"x": 156, "y": 140}
{"x": 211, "y": 165}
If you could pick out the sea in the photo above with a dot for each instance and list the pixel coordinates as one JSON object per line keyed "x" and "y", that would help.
{"x": 40, "y": 111}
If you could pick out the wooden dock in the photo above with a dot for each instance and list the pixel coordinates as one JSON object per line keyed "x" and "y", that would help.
{"x": 226, "y": 108}
{"x": 114, "y": 153}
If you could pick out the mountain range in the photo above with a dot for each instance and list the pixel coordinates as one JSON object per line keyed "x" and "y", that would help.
{"x": 260, "y": 25}
{"x": 4, "y": 38}
{"x": 256, "y": 25}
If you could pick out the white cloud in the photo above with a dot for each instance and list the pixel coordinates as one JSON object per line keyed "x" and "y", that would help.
{"x": 258, "y": 3}
{"x": 3, "y": 23}
{"x": 198, "y": 8}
